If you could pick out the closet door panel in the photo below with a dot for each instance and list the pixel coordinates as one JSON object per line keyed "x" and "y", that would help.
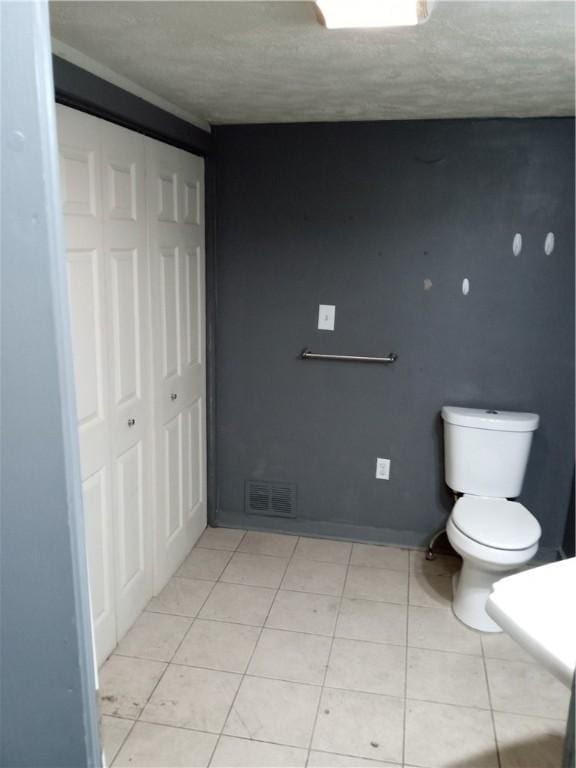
{"x": 98, "y": 523}
{"x": 124, "y": 203}
{"x": 81, "y": 192}
{"x": 122, "y": 176}
{"x": 129, "y": 497}
{"x": 172, "y": 433}
{"x": 192, "y": 460}
{"x": 126, "y": 339}
{"x": 170, "y": 316}
{"x": 175, "y": 183}
{"x": 84, "y": 292}
{"x": 193, "y": 362}
{"x": 79, "y": 183}
{"x": 88, "y": 348}
{"x": 193, "y": 306}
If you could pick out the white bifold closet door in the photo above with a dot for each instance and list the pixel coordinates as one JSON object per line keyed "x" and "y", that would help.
{"x": 176, "y": 237}
{"x": 130, "y": 385}
{"x": 138, "y": 339}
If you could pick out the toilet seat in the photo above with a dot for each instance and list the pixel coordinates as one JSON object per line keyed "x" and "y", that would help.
{"x": 496, "y": 523}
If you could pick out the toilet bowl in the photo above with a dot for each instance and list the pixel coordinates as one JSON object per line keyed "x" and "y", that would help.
{"x": 494, "y": 537}
{"x": 486, "y": 453}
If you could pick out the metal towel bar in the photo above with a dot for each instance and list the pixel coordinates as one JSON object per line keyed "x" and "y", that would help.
{"x": 307, "y": 354}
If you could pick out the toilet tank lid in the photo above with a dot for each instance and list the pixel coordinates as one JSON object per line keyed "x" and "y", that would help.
{"x": 497, "y": 523}
{"x": 490, "y": 418}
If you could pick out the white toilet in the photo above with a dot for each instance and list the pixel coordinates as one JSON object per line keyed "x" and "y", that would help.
{"x": 486, "y": 453}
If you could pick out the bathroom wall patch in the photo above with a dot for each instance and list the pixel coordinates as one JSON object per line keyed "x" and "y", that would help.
{"x": 549, "y": 243}
{"x": 465, "y": 286}
{"x": 517, "y": 244}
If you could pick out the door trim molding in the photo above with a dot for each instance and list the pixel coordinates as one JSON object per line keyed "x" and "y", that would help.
{"x": 47, "y": 656}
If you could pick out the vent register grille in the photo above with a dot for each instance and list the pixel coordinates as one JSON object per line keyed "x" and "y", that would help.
{"x": 264, "y": 497}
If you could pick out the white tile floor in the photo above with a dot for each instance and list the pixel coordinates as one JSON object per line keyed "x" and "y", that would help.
{"x": 268, "y": 650}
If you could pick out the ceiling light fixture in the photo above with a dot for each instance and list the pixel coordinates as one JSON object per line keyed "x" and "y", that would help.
{"x": 347, "y": 14}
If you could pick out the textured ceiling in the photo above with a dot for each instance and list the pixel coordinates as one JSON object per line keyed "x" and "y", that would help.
{"x": 259, "y": 62}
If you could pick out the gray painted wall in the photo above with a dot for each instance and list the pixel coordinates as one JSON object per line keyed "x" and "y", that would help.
{"x": 48, "y": 699}
{"x": 359, "y": 215}
{"x": 568, "y": 544}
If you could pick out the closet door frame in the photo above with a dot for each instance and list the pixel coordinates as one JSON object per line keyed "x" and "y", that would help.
{"x": 86, "y": 92}
{"x": 119, "y": 194}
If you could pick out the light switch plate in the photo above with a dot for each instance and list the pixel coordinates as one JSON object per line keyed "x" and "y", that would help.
{"x": 382, "y": 469}
{"x": 326, "y": 317}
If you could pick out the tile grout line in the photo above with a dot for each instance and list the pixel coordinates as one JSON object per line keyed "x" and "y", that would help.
{"x": 186, "y": 634}
{"x": 323, "y": 685}
{"x": 328, "y": 687}
{"x": 260, "y": 633}
{"x": 295, "y": 556}
{"x": 492, "y": 717}
{"x": 168, "y": 663}
{"x": 316, "y": 634}
{"x": 219, "y": 735}
{"x": 137, "y": 719}
{"x": 124, "y": 740}
{"x": 262, "y": 741}
{"x": 297, "y": 631}
{"x": 405, "y": 713}
{"x": 321, "y": 594}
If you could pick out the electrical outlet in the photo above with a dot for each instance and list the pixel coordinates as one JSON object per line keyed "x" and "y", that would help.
{"x": 382, "y": 469}
{"x": 326, "y": 317}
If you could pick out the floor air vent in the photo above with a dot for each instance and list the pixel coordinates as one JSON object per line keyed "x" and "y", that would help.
{"x": 263, "y": 497}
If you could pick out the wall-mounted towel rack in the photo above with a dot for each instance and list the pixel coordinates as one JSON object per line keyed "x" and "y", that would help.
{"x": 307, "y": 354}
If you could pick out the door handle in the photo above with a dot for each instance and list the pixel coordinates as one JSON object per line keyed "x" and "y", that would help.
{"x": 131, "y": 422}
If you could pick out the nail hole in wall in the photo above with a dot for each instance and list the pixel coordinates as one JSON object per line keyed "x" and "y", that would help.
{"x": 517, "y": 244}
{"x": 465, "y": 286}
{"x": 549, "y": 243}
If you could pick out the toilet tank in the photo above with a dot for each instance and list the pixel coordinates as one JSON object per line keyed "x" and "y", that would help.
{"x": 486, "y": 451}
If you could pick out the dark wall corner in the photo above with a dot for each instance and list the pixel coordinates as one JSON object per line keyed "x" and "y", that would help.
{"x": 568, "y": 544}
{"x": 211, "y": 307}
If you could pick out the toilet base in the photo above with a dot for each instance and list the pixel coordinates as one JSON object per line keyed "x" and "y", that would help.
{"x": 482, "y": 565}
{"x": 472, "y": 587}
